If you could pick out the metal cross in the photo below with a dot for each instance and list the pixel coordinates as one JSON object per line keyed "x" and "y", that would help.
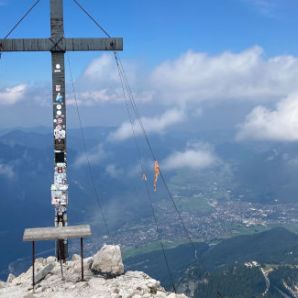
{"x": 57, "y": 44}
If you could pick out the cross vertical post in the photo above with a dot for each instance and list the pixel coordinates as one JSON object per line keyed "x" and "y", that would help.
{"x": 60, "y": 186}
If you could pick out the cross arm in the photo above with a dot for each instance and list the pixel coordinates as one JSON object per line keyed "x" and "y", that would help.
{"x": 27, "y": 44}
{"x": 93, "y": 44}
{"x": 62, "y": 45}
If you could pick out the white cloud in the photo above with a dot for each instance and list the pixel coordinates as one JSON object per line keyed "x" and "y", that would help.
{"x": 94, "y": 156}
{"x": 113, "y": 171}
{"x": 268, "y": 8}
{"x": 152, "y": 125}
{"x": 6, "y": 170}
{"x": 193, "y": 77}
{"x": 279, "y": 124}
{"x": 196, "y": 156}
{"x": 248, "y": 75}
{"x": 100, "y": 83}
{"x": 12, "y": 95}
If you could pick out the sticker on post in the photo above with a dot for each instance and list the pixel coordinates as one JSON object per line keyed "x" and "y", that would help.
{"x": 59, "y": 97}
{"x": 57, "y": 68}
{"x": 59, "y": 133}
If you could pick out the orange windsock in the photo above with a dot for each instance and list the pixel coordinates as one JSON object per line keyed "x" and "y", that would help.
{"x": 156, "y": 173}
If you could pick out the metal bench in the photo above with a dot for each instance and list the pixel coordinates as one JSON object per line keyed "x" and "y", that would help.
{"x": 56, "y": 233}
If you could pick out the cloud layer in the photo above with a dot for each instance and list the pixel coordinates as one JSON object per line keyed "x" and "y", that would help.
{"x": 94, "y": 156}
{"x": 152, "y": 125}
{"x": 191, "y": 78}
{"x": 12, "y": 95}
{"x": 196, "y": 156}
{"x": 196, "y": 77}
{"x": 278, "y": 124}
{"x": 6, "y": 171}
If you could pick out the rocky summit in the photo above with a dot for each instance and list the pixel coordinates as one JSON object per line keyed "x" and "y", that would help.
{"x": 104, "y": 278}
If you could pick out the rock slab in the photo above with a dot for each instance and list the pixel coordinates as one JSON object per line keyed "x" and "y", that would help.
{"x": 108, "y": 261}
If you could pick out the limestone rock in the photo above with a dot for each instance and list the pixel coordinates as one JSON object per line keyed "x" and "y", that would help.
{"x": 76, "y": 257}
{"x": 40, "y": 275}
{"x": 10, "y": 278}
{"x": 108, "y": 261}
{"x": 132, "y": 284}
{"x": 51, "y": 259}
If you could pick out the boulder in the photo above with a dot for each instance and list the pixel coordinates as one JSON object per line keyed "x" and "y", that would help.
{"x": 108, "y": 261}
{"x": 76, "y": 257}
{"x": 40, "y": 275}
{"x": 51, "y": 259}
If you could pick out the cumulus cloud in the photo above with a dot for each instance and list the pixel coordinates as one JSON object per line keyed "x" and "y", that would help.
{"x": 196, "y": 156}
{"x": 113, "y": 171}
{"x": 12, "y": 95}
{"x": 194, "y": 77}
{"x": 100, "y": 83}
{"x": 94, "y": 156}
{"x": 152, "y": 125}
{"x": 248, "y": 75}
{"x": 6, "y": 171}
{"x": 278, "y": 124}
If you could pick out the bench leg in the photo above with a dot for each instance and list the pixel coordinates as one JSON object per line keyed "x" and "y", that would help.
{"x": 33, "y": 264}
{"x": 82, "y": 259}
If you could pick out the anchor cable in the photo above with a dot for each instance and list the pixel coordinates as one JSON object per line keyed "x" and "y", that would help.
{"x": 21, "y": 19}
{"x": 145, "y": 182}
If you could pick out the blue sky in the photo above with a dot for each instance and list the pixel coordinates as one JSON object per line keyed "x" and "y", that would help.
{"x": 185, "y": 60}
{"x": 157, "y": 30}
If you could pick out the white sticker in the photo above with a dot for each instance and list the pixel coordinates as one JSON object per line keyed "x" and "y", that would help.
{"x": 59, "y": 107}
{"x": 59, "y": 113}
{"x": 58, "y": 66}
{"x": 58, "y": 88}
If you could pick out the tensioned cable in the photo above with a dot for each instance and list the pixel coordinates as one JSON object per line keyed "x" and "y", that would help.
{"x": 19, "y": 22}
{"x": 86, "y": 152}
{"x": 21, "y": 19}
{"x": 138, "y": 117}
{"x": 92, "y": 18}
{"x": 145, "y": 183}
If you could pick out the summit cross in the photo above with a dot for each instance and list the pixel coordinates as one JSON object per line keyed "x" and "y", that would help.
{"x": 57, "y": 44}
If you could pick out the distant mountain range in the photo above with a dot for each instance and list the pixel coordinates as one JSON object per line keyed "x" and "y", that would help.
{"x": 256, "y": 172}
{"x": 259, "y": 265}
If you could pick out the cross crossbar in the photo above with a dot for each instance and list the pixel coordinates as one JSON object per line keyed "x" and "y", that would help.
{"x": 62, "y": 45}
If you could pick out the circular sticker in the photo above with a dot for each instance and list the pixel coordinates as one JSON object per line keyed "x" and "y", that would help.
{"x": 59, "y": 107}
{"x": 59, "y": 113}
{"x": 58, "y": 66}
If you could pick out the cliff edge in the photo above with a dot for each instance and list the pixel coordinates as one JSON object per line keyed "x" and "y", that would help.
{"x": 104, "y": 277}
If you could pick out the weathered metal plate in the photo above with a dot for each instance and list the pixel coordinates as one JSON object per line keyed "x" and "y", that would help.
{"x": 61, "y": 45}
{"x": 54, "y": 233}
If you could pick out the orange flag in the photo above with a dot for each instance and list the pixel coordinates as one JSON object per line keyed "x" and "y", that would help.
{"x": 156, "y": 173}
